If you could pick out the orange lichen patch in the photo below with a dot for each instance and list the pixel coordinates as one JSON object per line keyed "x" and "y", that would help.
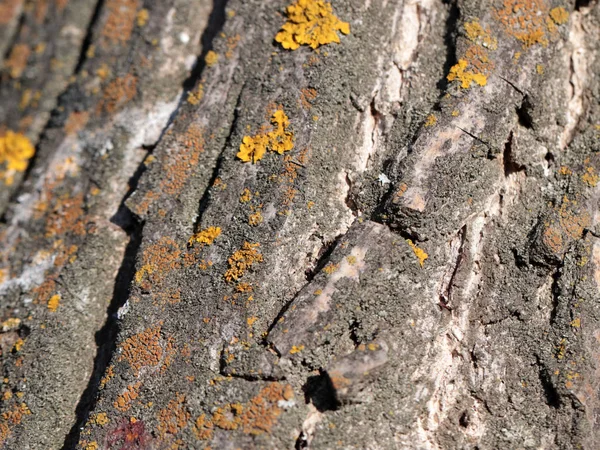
{"x": 564, "y": 170}
{"x": 141, "y": 18}
{"x": 246, "y": 196}
{"x": 431, "y": 120}
{"x": 419, "y": 253}
{"x": 206, "y": 236}
{"x": 590, "y": 177}
{"x": 108, "y": 375}
{"x": 44, "y": 291}
{"x": 174, "y": 417}
{"x": 478, "y": 58}
{"x": 53, "y": 303}
{"x": 178, "y": 168}
{"x": 195, "y": 97}
{"x": 123, "y": 401}
{"x": 67, "y": 216}
{"x": 338, "y": 381}
{"x": 312, "y": 23}
{"x": 158, "y": 260}
{"x": 480, "y": 35}
{"x": 15, "y": 152}
{"x": 251, "y": 320}
{"x": 143, "y": 349}
{"x": 90, "y": 445}
{"x": 211, "y": 58}
{"x": 525, "y": 20}
{"x": 166, "y": 297}
{"x": 8, "y": 10}
{"x": 11, "y": 419}
{"x": 262, "y": 412}
{"x": 255, "y": 219}
{"x": 76, "y": 121}
{"x": 120, "y": 21}
{"x": 232, "y": 43}
{"x": 279, "y": 140}
{"x": 203, "y": 428}
{"x": 228, "y": 417}
{"x": 242, "y": 260}
{"x": 118, "y": 93}
{"x": 458, "y": 72}
{"x": 307, "y": 96}
{"x": 567, "y": 225}
{"x": 17, "y": 60}
{"x": 559, "y": 15}
{"x": 244, "y": 287}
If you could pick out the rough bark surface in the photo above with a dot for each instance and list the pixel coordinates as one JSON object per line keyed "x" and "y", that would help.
{"x": 421, "y": 270}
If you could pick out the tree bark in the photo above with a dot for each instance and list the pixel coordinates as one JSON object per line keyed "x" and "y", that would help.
{"x": 421, "y": 270}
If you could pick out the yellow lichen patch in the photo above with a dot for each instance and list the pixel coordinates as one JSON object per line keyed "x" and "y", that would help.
{"x": 174, "y": 417}
{"x": 158, "y": 260}
{"x": 211, "y": 58}
{"x": 194, "y": 97}
{"x": 10, "y": 324}
{"x": 142, "y": 17}
{"x": 100, "y": 419}
{"x": 279, "y": 140}
{"x": 431, "y": 120}
{"x": 53, "y": 303}
{"x": 480, "y": 35}
{"x": 143, "y": 349}
{"x": 17, "y": 60}
{"x": 251, "y": 320}
{"x": 525, "y": 20}
{"x": 419, "y": 253}
{"x": 539, "y": 69}
{"x": 559, "y": 15}
{"x": 246, "y": 196}
{"x": 206, "y": 236}
{"x": 458, "y": 72}
{"x": 590, "y": 177}
{"x": 91, "y": 445}
{"x": 15, "y": 152}
{"x": 242, "y": 260}
{"x": 331, "y": 268}
{"x": 296, "y": 349}
{"x": 255, "y": 219}
{"x": 312, "y": 23}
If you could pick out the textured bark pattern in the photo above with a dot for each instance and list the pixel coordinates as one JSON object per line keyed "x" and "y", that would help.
{"x": 421, "y": 270}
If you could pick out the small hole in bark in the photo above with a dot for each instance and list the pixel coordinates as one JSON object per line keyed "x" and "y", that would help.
{"x": 524, "y": 113}
{"x": 464, "y": 419}
{"x": 319, "y": 391}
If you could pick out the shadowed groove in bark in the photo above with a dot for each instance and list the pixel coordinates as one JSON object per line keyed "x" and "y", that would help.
{"x": 106, "y": 337}
{"x": 15, "y": 36}
{"x": 87, "y": 41}
{"x": 450, "y": 42}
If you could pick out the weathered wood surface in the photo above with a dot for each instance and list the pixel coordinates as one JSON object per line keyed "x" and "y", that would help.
{"x": 420, "y": 270}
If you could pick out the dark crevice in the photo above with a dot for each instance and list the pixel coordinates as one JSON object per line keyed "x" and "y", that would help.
{"x": 301, "y": 442}
{"x": 319, "y": 391}
{"x": 550, "y": 392}
{"x": 204, "y": 201}
{"x": 15, "y": 37}
{"x": 322, "y": 258}
{"x": 524, "y": 113}
{"x": 513, "y": 85}
{"x": 215, "y": 23}
{"x": 450, "y": 43}
{"x": 445, "y": 296}
{"x": 349, "y": 200}
{"x": 556, "y": 293}
{"x": 106, "y": 337}
{"x": 510, "y": 165}
{"x": 580, "y": 4}
{"x": 477, "y": 138}
{"x": 355, "y": 325}
{"x": 87, "y": 41}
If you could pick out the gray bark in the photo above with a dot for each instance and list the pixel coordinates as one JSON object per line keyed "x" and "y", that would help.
{"x": 421, "y": 270}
